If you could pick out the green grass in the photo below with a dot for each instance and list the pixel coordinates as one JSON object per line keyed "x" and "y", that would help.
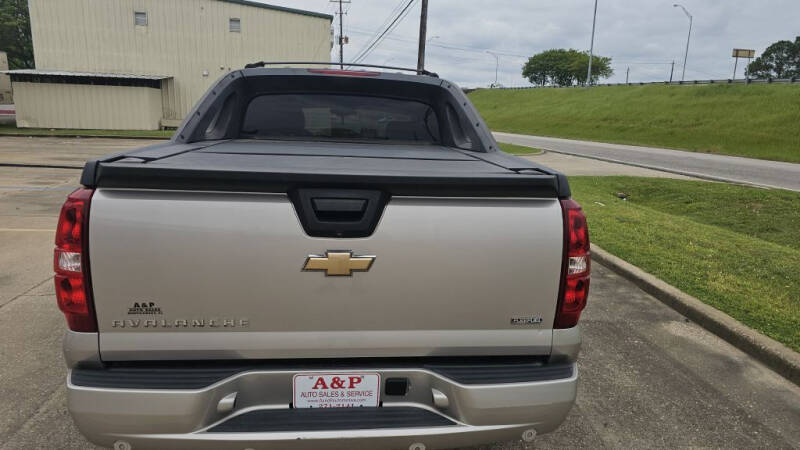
{"x": 519, "y": 149}
{"x": 10, "y": 130}
{"x": 756, "y": 121}
{"x": 735, "y": 248}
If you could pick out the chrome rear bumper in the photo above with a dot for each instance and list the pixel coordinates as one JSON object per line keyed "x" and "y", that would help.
{"x": 474, "y": 411}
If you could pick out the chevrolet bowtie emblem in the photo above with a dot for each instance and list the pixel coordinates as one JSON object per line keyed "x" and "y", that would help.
{"x": 339, "y": 263}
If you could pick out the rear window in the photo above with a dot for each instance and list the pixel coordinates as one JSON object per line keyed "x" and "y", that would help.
{"x": 339, "y": 117}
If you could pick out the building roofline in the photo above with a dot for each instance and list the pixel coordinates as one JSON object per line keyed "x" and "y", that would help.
{"x": 65, "y": 74}
{"x": 281, "y": 8}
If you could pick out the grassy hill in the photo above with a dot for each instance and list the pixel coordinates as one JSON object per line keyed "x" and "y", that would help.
{"x": 756, "y": 121}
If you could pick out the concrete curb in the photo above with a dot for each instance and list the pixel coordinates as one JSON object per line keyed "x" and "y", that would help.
{"x": 773, "y": 354}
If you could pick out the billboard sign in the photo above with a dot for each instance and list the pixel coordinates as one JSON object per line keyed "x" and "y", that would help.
{"x": 743, "y": 53}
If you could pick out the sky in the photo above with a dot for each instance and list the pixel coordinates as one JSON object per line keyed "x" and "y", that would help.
{"x": 643, "y": 35}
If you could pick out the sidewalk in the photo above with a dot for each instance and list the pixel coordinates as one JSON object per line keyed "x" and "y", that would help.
{"x": 579, "y": 166}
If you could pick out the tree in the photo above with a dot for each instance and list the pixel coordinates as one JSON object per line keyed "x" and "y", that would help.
{"x": 560, "y": 67}
{"x": 15, "y": 33}
{"x": 601, "y": 67}
{"x": 779, "y": 60}
{"x": 537, "y": 68}
{"x": 551, "y": 66}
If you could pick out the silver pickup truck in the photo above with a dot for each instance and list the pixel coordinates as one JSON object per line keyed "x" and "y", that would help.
{"x": 321, "y": 259}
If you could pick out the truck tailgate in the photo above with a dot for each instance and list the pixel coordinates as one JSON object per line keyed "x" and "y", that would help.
{"x": 199, "y": 275}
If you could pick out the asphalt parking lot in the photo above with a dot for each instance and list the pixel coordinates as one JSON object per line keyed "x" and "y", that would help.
{"x": 650, "y": 378}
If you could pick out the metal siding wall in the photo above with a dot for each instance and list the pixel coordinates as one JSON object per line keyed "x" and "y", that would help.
{"x": 183, "y": 39}
{"x": 50, "y": 105}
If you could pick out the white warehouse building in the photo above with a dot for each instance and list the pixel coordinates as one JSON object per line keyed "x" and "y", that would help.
{"x": 142, "y": 64}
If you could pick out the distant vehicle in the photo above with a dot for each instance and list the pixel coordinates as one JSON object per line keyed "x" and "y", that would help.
{"x": 321, "y": 259}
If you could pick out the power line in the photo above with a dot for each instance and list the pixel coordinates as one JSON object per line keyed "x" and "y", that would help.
{"x": 476, "y": 50}
{"x": 401, "y": 49}
{"x": 374, "y": 34}
{"x": 378, "y": 30}
{"x": 445, "y": 45}
{"x": 712, "y": 75}
{"x": 635, "y": 62}
{"x": 388, "y": 29}
{"x": 449, "y": 45}
{"x": 391, "y": 27}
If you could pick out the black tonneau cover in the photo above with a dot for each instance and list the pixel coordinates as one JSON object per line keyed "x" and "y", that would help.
{"x": 280, "y": 166}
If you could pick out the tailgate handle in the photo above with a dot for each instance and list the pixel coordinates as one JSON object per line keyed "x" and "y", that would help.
{"x": 339, "y": 212}
{"x": 339, "y": 204}
{"x": 339, "y": 209}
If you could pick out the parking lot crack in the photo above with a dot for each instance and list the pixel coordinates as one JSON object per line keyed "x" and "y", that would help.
{"x": 26, "y": 292}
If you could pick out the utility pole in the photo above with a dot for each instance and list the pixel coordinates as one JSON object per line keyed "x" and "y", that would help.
{"x": 688, "y": 38}
{"x": 423, "y": 32}
{"x": 627, "y": 75}
{"x": 591, "y": 47}
{"x": 341, "y": 31}
{"x": 671, "y": 71}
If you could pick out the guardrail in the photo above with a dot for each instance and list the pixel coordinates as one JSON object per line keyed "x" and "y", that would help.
{"x": 674, "y": 83}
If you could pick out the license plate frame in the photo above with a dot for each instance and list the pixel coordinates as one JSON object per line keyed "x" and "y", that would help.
{"x": 336, "y": 390}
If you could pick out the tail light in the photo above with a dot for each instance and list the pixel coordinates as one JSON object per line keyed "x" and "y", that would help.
{"x": 576, "y": 266}
{"x": 71, "y": 264}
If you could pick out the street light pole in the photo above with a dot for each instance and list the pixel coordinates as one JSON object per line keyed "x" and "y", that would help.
{"x": 496, "y": 66}
{"x": 591, "y": 47}
{"x": 688, "y": 39}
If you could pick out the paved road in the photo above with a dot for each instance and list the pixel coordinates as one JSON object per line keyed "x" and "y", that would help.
{"x": 650, "y": 378}
{"x": 724, "y": 168}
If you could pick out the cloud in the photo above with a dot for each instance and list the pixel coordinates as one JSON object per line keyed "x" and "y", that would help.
{"x": 645, "y": 35}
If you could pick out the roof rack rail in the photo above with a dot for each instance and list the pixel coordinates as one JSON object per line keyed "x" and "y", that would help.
{"x": 317, "y": 63}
